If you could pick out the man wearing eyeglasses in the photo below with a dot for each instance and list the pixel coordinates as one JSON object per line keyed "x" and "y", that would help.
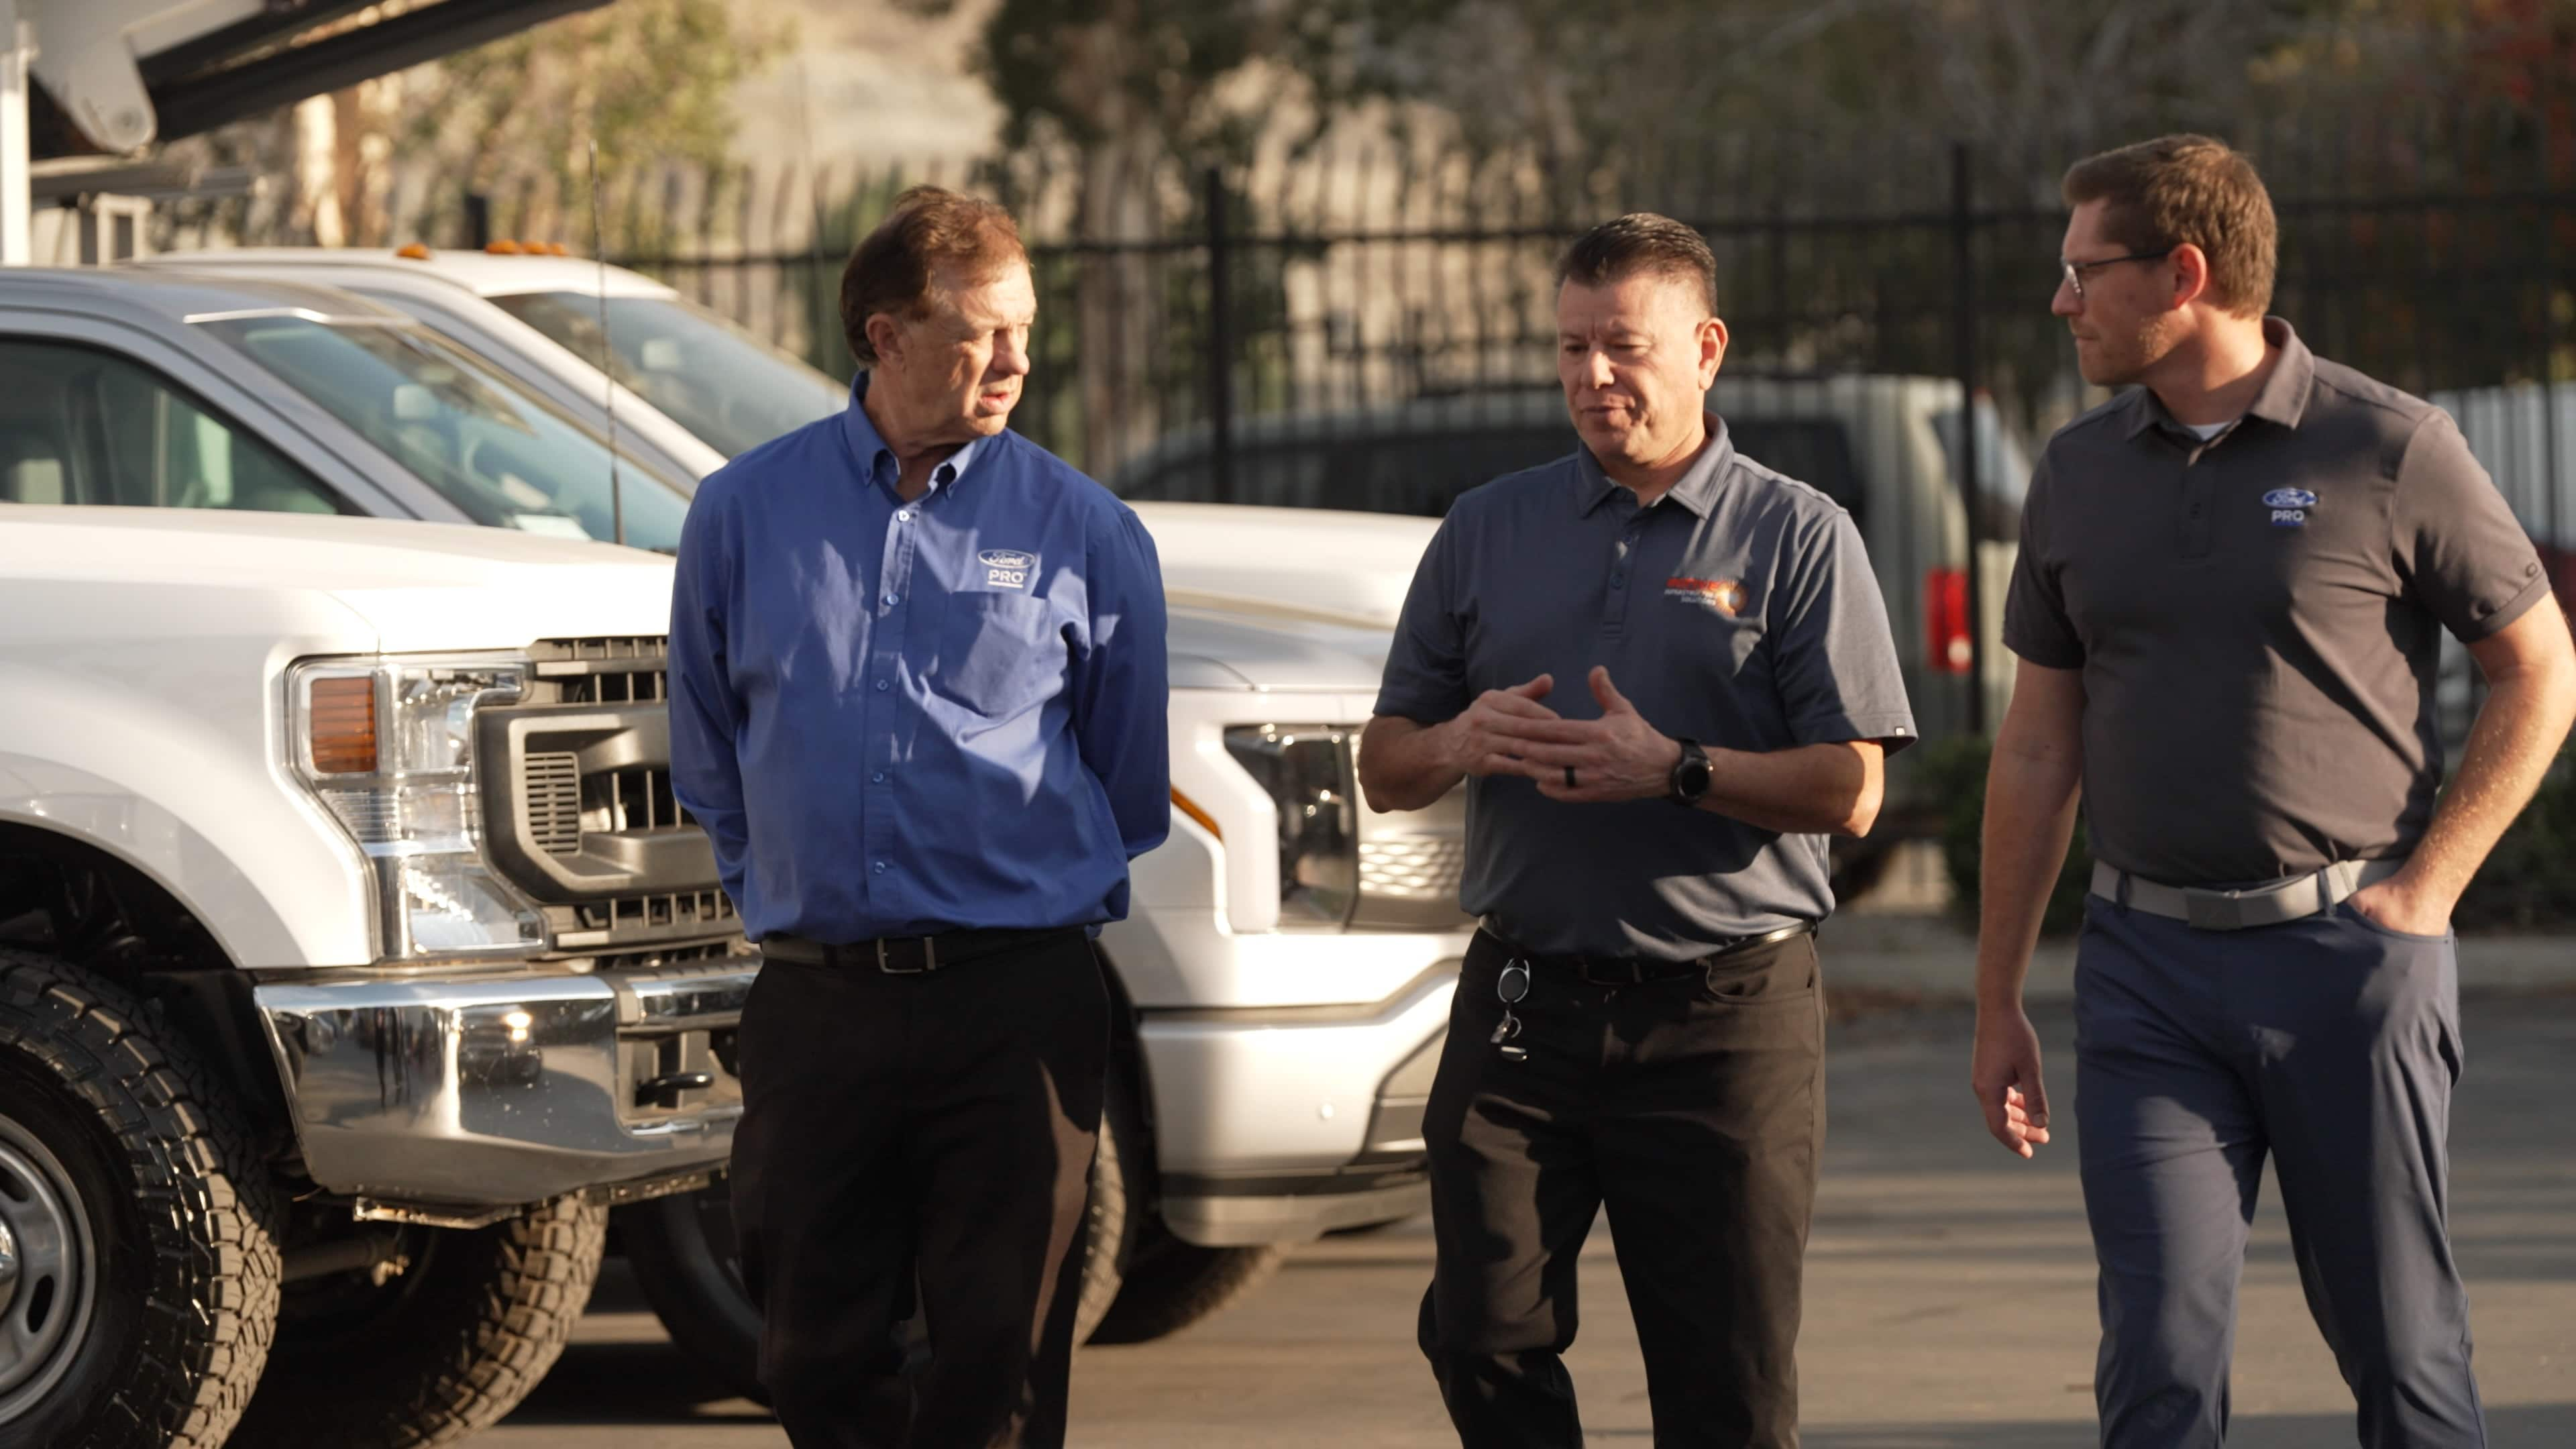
{"x": 1664, "y": 672}
{"x": 2228, "y": 606}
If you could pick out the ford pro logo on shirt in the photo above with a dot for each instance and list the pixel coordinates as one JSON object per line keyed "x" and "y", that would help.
{"x": 2289, "y": 506}
{"x": 1007, "y": 568}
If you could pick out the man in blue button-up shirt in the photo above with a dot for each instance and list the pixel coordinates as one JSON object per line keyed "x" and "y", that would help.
{"x": 918, "y": 702}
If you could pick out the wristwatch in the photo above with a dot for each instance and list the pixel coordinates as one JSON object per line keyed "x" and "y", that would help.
{"x": 1690, "y": 776}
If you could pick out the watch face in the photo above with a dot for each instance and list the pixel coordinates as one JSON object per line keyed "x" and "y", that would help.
{"x": 1690, "y": 777}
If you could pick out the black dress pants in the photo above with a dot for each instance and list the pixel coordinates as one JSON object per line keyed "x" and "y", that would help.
{"x": 1693, "y": 1108}
{"x": 933, "y": 1129}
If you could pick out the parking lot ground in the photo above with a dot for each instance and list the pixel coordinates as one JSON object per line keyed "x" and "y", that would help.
{"x": 1950, "y": 1294}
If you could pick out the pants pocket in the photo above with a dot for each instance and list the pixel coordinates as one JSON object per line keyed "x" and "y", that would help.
{"x": 2345, "y": 912}
{"x": 1785, "y": 971}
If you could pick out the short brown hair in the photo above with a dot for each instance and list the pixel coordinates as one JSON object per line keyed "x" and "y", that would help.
{"x": 1641, "y": 241}
{"x": 2176, "y": 189}
{"x": 892, "y": 267}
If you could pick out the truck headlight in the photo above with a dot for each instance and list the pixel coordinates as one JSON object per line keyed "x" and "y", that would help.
{"x": 1307, "y": 771}
{"x": 388, "y": 746}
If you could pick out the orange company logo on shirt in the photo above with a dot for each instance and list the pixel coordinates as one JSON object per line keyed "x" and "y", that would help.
{"x": 1724, "y": 596}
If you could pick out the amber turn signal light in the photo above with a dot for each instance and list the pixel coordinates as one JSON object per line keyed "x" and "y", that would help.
{"x": 340, "y": 714}
{"x": 1190, "y": 808}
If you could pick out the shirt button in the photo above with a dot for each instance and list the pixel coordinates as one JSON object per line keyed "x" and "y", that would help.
{"x": 905, "y": 517}
{"x": 880, "y": 867}
{"x": 889, "y": 601}
{"x": 882, "y": 686}
{"x": 877, "y": 778}
{"x": 1618, "y": 581}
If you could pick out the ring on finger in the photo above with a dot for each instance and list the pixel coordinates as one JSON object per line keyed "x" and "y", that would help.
{"x": 1569, "y": 777}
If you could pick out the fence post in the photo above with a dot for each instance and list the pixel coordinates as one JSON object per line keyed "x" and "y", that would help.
{"x": 1220, "y": 345}
{"x": 1963, "y": 249}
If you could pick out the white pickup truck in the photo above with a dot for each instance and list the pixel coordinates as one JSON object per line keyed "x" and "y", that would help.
{"x": 353, "y": 962}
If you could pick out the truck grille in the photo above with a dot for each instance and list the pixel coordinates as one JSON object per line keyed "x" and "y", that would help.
{"x": 601, "y": 671}
{"x": 629, "y": 805}
{"x": 1415, "y": 868}
{"x": 1411, "y": 864}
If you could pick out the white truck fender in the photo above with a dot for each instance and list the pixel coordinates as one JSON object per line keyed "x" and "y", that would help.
{"x": 234, "y": 840}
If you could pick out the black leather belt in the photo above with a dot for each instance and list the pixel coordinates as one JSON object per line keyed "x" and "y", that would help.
{"x": 909, "y": 955}
{"x": 1638, "y": 970}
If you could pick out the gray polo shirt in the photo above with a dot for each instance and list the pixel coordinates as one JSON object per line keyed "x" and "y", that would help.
{"x": 1739, "y": 611}
{"x": 2255, "y": 617}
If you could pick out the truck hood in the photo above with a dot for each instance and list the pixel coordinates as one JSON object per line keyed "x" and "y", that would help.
{"x": 406, "y": 587}
{"x": 1312, "y": 560}
{"x": 1234, "y": 643}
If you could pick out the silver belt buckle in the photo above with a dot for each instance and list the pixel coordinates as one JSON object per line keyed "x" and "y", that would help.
{"x": 2266, "y": 905}
{"x": 2214, "y": 910}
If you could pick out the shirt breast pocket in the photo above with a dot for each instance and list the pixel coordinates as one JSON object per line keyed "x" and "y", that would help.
{"x": 1707, "y": 645}
{"x": 1000, "y": 655}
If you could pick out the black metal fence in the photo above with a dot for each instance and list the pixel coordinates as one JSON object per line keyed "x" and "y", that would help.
{"x": 1372, "y": 327}
{"x": 1371, "y": 324}
{"x": 1198, "y": 305}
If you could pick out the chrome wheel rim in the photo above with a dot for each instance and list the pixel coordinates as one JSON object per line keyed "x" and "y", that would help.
{"x": 48, "y": 1271}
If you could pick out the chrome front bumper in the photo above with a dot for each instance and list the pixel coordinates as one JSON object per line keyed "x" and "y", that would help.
{"x": 499, "y": 1088}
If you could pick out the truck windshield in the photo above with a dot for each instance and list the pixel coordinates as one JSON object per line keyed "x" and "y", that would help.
{"x": 495, "y": 450}
{"x": 734, "y": 392}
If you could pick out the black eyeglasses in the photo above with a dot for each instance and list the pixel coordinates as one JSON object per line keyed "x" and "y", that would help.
{"x": 2073, "y": 272}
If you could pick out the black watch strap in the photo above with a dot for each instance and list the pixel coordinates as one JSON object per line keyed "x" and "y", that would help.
{"x": 1689, "y": 782}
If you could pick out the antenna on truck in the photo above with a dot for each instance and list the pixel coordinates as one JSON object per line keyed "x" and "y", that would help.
{"x": 607, "y": 357}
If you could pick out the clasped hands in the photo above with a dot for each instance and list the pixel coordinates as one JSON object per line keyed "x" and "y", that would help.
{"x": 1616, "y": 757}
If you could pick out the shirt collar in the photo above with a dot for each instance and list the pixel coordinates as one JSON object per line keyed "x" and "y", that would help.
{"x": 2283, "y": 399}
{"x": 869, "y": 446}
{"x": 1695, "y": 490}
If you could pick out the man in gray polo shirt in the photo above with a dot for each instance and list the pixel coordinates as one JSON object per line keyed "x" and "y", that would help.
{"x": 1639, "y": 1023}
{"x": 2228, "y": 606}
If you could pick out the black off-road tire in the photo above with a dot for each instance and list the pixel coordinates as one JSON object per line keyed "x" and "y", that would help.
{"x": 112, "y": 1125}
{"x": 1171, "y": 1284}
{"x": 442, "y": 1350}
{"x": 685, "y": 1261}
{"x": 1121, "y": 1173}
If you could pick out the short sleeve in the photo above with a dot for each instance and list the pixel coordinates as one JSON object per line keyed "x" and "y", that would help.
{"x": 1837, "y": 671}
{"x": 1426, "y": 665}
{"x": 2456, "y": 544}
{"x": 2035, "y": 622}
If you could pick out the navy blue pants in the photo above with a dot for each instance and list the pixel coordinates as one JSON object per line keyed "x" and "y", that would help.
{"x": 2329, "y": 1044}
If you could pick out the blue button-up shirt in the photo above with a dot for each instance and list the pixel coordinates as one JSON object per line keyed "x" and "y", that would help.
{"x": 895, "y": 718}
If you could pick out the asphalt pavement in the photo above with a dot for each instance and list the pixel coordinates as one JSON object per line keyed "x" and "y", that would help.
{"x": 1950, "y": 1292}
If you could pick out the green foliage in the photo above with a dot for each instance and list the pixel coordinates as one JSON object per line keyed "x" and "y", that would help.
{"x": 648, "y": 80}
{"x": 2529, "y": 879}
{"x": 2526, "y": 884}
{"x": 1954, "y": 772}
